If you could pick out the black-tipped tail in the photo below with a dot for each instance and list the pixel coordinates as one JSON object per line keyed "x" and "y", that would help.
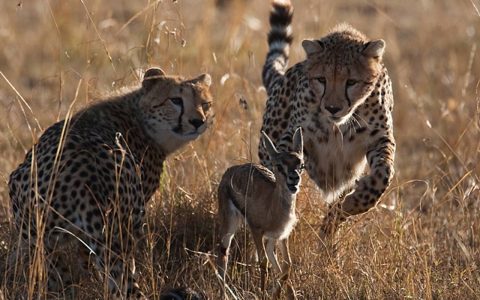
{"x": 279, "y": 41}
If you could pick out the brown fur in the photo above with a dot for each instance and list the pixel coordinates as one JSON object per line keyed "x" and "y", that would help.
{"x": 267, "y": 201}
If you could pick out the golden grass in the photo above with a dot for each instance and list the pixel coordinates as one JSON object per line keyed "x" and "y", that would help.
{"x": 421, "y": 242}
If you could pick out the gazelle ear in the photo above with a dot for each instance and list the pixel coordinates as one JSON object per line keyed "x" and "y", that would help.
{"x": 268, "y": 144}
{"x": 151, "y": 76}
{"x": 298, "y": 141}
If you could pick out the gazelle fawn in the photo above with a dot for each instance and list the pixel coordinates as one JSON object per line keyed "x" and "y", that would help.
{"x": 266, "y": 200}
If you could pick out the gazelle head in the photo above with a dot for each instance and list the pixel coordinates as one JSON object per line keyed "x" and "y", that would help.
{"x": 287, "y": 166}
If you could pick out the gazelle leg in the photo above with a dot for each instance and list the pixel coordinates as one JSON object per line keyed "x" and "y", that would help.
{"x": 222, "y": 258}
{"x": 229, "y": 221}
{"x": 258, "y": 239}
{"x": 270, "y": 247}
{"x": 286, "y": 267}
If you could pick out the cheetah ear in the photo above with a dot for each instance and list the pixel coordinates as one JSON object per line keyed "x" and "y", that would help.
{"x": 150, "y": 77}
{"x": 312, "y": 47}
{"x": 298, "y": 141}
{"x": 268, "y": 144}
{"x": 374, "y": 49}
{"x": 204, "y": 79}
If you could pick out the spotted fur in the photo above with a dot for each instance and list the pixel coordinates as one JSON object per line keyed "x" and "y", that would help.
{"x": 341, "y": 95}
{"x": 92, "y": 175}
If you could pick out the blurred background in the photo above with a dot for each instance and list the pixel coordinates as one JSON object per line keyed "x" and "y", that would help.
{"x": 422, "y": 241}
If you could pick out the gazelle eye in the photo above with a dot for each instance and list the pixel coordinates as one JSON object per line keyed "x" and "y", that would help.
{"x": 351, "y": 82}
{"x": 177, "y": 101}
{"x": 302, "y": 167}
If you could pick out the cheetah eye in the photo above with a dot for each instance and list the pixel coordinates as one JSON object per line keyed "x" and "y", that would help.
{"x": 206, "y": 106}
{"x": 351, "y": 82}
{"x": 321, "y": 79}
{"x": 177, "y": 101}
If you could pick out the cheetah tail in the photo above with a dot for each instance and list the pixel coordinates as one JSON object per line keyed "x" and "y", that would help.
{"x": 279, "y": 41}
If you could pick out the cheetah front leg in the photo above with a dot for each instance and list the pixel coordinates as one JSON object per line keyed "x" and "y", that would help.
{"x": 369, "y": 189}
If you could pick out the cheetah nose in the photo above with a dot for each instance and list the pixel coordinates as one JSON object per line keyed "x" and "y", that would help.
{"x": 332, "y": 109}
{"x": 196, "y": 122}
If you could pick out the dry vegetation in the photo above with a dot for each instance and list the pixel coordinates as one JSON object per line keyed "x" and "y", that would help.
{"x": 421, "y": 242}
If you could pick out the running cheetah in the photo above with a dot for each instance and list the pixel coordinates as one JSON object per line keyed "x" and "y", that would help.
{"x": 341, "y": 96}
{"x": 92, "y": 175}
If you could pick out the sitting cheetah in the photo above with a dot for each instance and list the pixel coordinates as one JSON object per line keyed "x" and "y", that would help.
{"x": 341, "y": 96}
{"x": 93, "y": 174}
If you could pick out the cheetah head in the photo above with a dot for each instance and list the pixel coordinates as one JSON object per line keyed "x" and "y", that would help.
{"x": 342, "y": 69}
{"x": 174, "y": 110}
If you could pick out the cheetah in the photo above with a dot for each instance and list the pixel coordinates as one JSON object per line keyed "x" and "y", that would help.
{"x": 341, "y": 96}
{"x": 92, "y": 175}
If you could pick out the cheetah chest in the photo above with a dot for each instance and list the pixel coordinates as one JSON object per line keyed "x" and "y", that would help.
{"x": 336, "y": 158}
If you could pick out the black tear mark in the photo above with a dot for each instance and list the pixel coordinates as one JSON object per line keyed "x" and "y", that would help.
{"x": 178, "y": 128}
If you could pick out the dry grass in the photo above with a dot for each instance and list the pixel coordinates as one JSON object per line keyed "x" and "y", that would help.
{"x": 422, "y": 242}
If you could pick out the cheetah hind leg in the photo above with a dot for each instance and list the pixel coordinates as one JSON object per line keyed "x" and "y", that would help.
{"x": 65, "y": 270}
{"x": 120, "y": 278}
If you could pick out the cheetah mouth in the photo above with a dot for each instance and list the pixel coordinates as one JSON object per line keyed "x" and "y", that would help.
{"x": 186, "y": 135}
{"x": 337, "y": 119}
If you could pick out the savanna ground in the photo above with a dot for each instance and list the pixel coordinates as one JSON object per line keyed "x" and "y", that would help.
{"x": 421, "y": 242}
